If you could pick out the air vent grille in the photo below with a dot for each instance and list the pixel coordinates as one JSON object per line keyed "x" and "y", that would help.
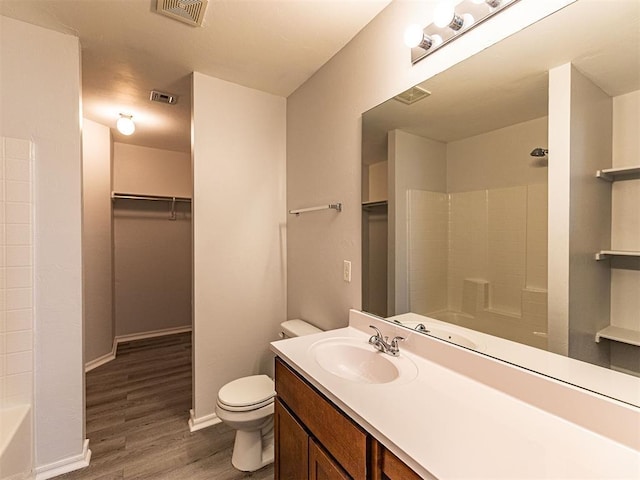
{"x": 163, "y": 97}
{"x": 412, "y": 95}
{"x": 187, "y": 11}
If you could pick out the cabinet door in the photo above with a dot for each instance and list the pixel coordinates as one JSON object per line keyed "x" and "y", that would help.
{"x": 291, "y": 446}
{"x": 321, "y": 466}
{"x": 392, "y": 468}
{"x": 339, "y": 435}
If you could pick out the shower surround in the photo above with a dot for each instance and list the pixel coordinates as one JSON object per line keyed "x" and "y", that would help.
{"x": 479, "y": 259}
{"x": 16, "y": 312}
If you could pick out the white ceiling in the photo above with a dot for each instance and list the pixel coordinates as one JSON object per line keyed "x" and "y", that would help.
{"x": 508, "y": 82}
{"x": 128, "y": 50}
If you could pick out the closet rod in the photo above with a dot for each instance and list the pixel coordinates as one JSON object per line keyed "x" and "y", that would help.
{"x": 331, "y": 206}
{"x": 131, "y": 196}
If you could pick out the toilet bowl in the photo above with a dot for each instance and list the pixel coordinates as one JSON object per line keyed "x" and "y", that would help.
{"x": 247, "y": 405}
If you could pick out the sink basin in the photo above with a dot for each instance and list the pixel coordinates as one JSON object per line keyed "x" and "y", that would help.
{"x": 359, "y": 362}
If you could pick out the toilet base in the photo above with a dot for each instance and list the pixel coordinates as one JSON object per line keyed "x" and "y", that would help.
{"x": 253, "y": 450}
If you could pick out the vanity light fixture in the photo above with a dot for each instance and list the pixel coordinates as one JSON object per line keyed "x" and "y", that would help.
{"x": 414, "y": 36}
{"x": 445, "y": 16}
{"x": 125, "y": 124}
{"x": 491, "y": 3}
{"x": 449, "y": 22}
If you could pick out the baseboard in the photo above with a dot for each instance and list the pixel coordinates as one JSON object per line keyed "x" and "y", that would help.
{"x": 129, "y": 338}
{"x": 196, "y": 424}
{"x": 65, "y": 465}
{"x": 151, "y": 334}
{"x": 106, "y": 358}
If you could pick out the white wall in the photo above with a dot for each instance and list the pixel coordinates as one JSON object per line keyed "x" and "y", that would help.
{"x": 141, "y": 170}
{"x": 591, "y": 150}
{"x": 40, "y": 95}
{"x": 498, "y": 159}
{"x": 378, "y": 180}
{"x": 323, "y": 145}
{"x": 580, "y": 143}
{"x": 239, "y": 234}
{"x": 152, "y": 254}
{"x": 96, "y": 240}
{"x": 415, "y": 163}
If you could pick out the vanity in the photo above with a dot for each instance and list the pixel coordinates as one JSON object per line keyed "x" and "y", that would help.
{"x": 315, "y": 439}
{"x": 438, "y": 410}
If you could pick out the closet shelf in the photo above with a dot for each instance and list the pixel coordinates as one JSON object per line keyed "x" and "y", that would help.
{"x": 622, "y": 173}
{"x": 331, "y": 206}
{"x": 605, "y": 254}
{"x": 619, "y": 334}
{"x": 134, "y": 196}
{"x": 374, "y": 204}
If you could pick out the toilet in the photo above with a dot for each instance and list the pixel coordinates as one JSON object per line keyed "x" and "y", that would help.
{"x": 247, "y": 405}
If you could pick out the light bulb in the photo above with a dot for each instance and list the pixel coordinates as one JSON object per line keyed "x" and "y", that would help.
{"x": 125, "y": 124}
{"x": 467, "y": 20}
{"x": 413, "y": 35}
{"x": 444, "y": 15}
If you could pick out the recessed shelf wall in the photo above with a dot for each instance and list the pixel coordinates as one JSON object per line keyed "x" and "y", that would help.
{"x": 619, "y": 334}
{"x": 614, "y": 332}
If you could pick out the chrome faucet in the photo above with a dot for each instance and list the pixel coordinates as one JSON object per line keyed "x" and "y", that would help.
{"x": 382, "y": 343}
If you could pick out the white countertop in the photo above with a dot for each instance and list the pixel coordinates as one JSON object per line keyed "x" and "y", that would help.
{"x": 448, "y": 425}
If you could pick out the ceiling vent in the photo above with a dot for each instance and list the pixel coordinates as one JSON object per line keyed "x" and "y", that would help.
{"x": 187, "y": 11}
{"x": 412, "y": 95}
{"x": 162, "y": 97}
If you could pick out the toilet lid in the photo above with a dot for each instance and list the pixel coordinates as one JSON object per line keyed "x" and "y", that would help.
{"x": 247, "y": 391}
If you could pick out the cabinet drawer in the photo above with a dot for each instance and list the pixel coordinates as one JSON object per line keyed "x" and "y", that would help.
{"x": 339, "y": 435}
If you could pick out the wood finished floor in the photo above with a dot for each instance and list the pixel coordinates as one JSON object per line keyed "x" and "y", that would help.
{"x": 137, "y": 411}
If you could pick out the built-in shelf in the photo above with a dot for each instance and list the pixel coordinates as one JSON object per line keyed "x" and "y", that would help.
{"x": 605, "y": 254}
{"x": 374, "y": 204}
{"x": 154, "y": 198}
{"x": 619, "y": 334}
{"x": 622, "y": 173}
{"x": 612, "y": 332}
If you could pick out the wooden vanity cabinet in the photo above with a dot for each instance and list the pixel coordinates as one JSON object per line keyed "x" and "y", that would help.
{"x": 298, "y": 455}
{"x": 322, "y": 466}
{"x": 291, "y": 443}
{"x": 392, "y": 468}
{"x": 315, "y": 440}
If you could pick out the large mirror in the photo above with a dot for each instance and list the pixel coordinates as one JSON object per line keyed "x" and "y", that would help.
{"x": 462, "y": 204}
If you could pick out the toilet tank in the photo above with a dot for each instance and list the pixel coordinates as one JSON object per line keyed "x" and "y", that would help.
{"x": 297, "y": 328}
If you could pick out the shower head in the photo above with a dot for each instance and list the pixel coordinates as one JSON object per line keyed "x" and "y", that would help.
{"x": 539, "y": 152}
